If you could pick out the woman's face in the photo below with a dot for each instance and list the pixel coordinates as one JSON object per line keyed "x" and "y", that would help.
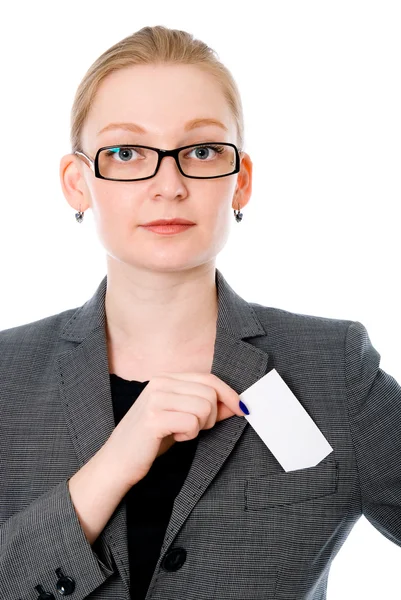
{"x": 161, "y": 100}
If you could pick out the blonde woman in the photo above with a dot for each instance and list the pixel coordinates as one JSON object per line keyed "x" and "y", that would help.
{"x": 127, "y": 467}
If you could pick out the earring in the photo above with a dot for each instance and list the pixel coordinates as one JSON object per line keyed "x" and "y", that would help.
{"x": 238, "y": 214}
{"x": 79, "y": 215}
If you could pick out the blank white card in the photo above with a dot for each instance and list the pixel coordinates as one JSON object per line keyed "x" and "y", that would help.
{"x": 283, "y": 424}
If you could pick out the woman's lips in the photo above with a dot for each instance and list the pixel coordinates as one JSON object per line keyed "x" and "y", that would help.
{"x": 166, "y": 229}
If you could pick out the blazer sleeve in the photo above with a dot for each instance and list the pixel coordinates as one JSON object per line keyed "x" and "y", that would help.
{"x": 374, "y": 405}
{"x": 45, "y": 536}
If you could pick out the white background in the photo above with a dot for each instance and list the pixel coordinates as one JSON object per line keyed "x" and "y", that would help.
{"x": 320, "y": 84}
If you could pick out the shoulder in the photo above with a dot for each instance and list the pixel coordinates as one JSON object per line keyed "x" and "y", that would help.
{"x": 36, "y": 329}
{"x": 278, "y": 321}
{"x": 35, "y": 338}
{"x": 313, "y": 342}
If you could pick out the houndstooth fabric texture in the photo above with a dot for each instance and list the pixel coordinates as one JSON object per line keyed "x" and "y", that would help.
{"x": 250, "y": 530}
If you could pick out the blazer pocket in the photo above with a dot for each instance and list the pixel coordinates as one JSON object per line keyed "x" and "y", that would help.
{"x": 281, "y": 489}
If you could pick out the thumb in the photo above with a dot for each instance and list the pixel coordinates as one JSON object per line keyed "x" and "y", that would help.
{"x": 224, "y": 412}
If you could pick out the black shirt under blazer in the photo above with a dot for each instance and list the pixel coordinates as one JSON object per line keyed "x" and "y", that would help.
{"x": 150, "y": 501}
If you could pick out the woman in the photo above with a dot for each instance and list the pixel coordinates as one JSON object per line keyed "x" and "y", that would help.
{"x": 127, "y": 466}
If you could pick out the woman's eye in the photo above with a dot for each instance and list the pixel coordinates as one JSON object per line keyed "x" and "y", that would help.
{"x": 123, "y": 154}
{"x": 203, "y": 152}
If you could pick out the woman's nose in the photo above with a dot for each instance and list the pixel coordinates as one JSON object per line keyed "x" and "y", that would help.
{"x": 171, "y": 165}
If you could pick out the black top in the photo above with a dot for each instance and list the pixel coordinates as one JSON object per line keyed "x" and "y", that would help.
{"x": 150, "y": 501}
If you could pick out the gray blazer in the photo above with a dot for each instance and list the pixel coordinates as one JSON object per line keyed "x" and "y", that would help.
{"x": 241, "y": 527}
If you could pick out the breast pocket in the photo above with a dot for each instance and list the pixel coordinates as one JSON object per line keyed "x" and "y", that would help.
{"x": 281, "y": 489}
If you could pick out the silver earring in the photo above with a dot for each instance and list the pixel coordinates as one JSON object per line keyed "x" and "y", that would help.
{"x": 238, "y": 214}
{"x": 79, "y": 215}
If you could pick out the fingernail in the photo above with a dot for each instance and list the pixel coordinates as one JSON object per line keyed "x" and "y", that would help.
{"x": 243, "y": 407}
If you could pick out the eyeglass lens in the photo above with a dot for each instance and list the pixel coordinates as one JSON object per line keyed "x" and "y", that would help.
{"x": 136, "y": 162}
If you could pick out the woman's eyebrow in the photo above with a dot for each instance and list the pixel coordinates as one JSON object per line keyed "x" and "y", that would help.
{"x": 134, "y": 127}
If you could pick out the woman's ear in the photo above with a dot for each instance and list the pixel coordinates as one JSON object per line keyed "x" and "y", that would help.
{"x": 73, "y": 183}
{"x": 243, "y": 189}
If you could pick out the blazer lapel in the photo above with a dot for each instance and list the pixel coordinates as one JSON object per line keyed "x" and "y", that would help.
{"x": 85, "y": 391}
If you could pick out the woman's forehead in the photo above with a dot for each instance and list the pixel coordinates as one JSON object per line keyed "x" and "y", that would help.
{"x": 159, "y": 108}
{"x": 166, "y": 88}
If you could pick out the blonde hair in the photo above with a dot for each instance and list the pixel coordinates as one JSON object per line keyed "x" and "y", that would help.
{"x": 149, "y": 46}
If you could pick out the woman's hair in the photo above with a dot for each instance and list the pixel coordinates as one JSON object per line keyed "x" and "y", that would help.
{"x": 150, "y": 46}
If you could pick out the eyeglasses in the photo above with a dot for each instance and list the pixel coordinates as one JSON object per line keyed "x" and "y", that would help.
{"x": 208, "y": 160}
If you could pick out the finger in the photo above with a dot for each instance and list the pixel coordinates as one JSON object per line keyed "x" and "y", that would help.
{"x": 225, "y": 394}
{"x": 185, "y": 390}
{"x": 212, "y": 418}
{"x": 183, "y": 424}
{"x": 223, "y": 412}
{"x": 199, "y": 406}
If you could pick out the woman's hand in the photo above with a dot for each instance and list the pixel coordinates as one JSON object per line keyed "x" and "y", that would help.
{"x": 173, "y": 407}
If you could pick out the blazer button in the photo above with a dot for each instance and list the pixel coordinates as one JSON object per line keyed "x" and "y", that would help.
{"x": 174, "y": 559}
{"x": 65, "y": 585}
{"x": 42, "y": 594}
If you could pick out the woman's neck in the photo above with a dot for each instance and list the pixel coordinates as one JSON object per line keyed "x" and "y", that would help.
{"x": 155, "y": 316}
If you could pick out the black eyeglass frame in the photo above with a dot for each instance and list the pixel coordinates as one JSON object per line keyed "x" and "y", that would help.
{"x": 94, "y": 164}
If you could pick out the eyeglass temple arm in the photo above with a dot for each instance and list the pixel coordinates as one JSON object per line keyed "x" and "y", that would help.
{"x": 91, "y": 162}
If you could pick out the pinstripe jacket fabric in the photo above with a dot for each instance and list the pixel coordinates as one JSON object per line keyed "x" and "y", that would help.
{"x": 250, "y": 530}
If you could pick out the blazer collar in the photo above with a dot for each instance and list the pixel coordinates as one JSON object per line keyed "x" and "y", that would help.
{"x": 84, "y": 383}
